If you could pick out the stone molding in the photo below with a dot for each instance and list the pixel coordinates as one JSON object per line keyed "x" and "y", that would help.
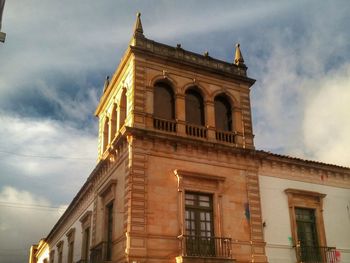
{"x": 198, "y": 182}
{"x": 295, "y": 169}
{"x": 70, "y": 235}
{"x": 181, "y": 56}
{"x": 311, "y": 200}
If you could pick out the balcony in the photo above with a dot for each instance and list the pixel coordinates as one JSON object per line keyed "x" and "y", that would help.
{"x": 196, "y": 131}
{"x": 182, "y": 128}
{"x": 225, "y": 136}
{"x": 312, "y": 254}
{"x": 205, "y": 249}
{"x": 164, "y": 125}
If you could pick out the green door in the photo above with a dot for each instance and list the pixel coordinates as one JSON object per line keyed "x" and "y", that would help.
{"x": 307, "y": 235}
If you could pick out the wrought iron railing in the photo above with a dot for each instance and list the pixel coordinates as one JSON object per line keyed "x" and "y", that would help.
{"x": 313, "y": 254}
{"x": 98, "y": 253}
{"x": 225, "y": 136}
{"x": 197, "y": 246}
{"x": 164, "y": 125}
{"x": 196, "y": 131}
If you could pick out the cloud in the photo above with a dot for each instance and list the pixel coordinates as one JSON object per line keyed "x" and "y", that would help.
{"x": 300, "y": 64}
{"x": 24, "y": 217}
{"x": 37, "y": 159}
{"x": 57, "y": 54}
{"x": 326, "y": 123}
{"x": 45, "y": 153}
{"x": 62, "y": 45}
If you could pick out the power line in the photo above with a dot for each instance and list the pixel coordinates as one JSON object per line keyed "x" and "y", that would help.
{"x": 12, "y": 249}
{"x": 31, "y": 206}
{"x": 45, "y": 156}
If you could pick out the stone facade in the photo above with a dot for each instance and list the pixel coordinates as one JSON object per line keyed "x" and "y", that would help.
{"x": 167, "y": 190}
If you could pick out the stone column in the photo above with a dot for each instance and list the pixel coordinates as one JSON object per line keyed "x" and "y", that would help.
{"x": 149, "y": 107}
{"x": 180, "y": 113}
{"x": 210, "y": 119}
{"x": 238, "y": 124}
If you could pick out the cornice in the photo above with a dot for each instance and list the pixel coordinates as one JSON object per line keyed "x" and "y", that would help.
{"x": 294, "y": 162}
{"x": 299, "y": 192}
{"x": 113, "y": 81}
{"x": 194, "y": 60}
{"x": 186, "y": 140}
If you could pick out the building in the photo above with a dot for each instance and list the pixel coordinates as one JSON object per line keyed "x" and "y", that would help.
{"x": 2, "y": 34}
{"x": 179, "y": 179}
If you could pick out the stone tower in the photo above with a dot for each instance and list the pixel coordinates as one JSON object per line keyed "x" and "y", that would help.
{"x": 175, "y": 139}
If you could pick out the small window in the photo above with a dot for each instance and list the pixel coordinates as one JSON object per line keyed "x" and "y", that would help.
{"x": 70, "y": 237}
{"x": 223, "y": 113}
{"x": 60, "y": 257}
{"x": 194, "y": 107}
{"x": 86, "y": 230}
{"x": 109, "y": 230}
{"x": 52, "y": 256}
{"x": 86, "y": 243}
{"x": 70, "y": 251}
{"x": 164, "y": 103}
{"x": 60, "y": 251}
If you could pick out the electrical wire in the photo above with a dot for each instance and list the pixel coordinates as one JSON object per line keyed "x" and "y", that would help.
{"x": 31, "y": 206}
{"x": 45, "y": 156}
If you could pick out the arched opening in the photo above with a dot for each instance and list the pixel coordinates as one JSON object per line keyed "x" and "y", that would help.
{"x": 194, "y": 107}
{"x": 164, "y": 102}
{"x": 105, "y": 134}
{"x": 223, "y": 113}
{"x": 122, "y": 109}
{"x": 114, "y": 121}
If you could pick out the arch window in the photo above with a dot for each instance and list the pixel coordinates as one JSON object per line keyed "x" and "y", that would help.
{"x": 164, "y": 102}
{"x": 105, "y": 134}
{"x": 113, "y": 121}
{"x": 223, "y": 113}
{"x": 122, "y": 108}
{"x": 194, "y": 107}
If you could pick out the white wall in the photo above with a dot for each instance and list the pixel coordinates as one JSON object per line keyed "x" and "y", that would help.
{"x": 275, "y": 213}
{"x": 77, "y": 240}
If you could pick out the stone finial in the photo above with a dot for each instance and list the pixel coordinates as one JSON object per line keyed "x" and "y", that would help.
{"x": 138, "y": 30}
{"x": 239, "y": 61}
{"x": 105, "y": 86}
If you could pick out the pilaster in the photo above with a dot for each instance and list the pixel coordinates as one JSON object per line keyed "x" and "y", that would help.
{"x": 136, "y": 201}
{"x": 256, "y": 232}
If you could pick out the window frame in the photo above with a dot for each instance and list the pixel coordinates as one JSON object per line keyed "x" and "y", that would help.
{"x": 169, "y": 88}
{"x": 229, "y": 121}
{"x": 107, "y": 196}
{"x": 194, "y": 91}
{"x": 197, "y": 209}
{"x": 307, "y": 200}
{"x": 109, "y": 222}
{"x": 193, "y": 182}
{"x": 86, "y": 242}
{"x": 70, "y": 239}
{"x": 60, "y": 251}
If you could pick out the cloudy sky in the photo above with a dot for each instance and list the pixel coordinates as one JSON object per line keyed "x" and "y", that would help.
{"x": 57, "y": 54}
